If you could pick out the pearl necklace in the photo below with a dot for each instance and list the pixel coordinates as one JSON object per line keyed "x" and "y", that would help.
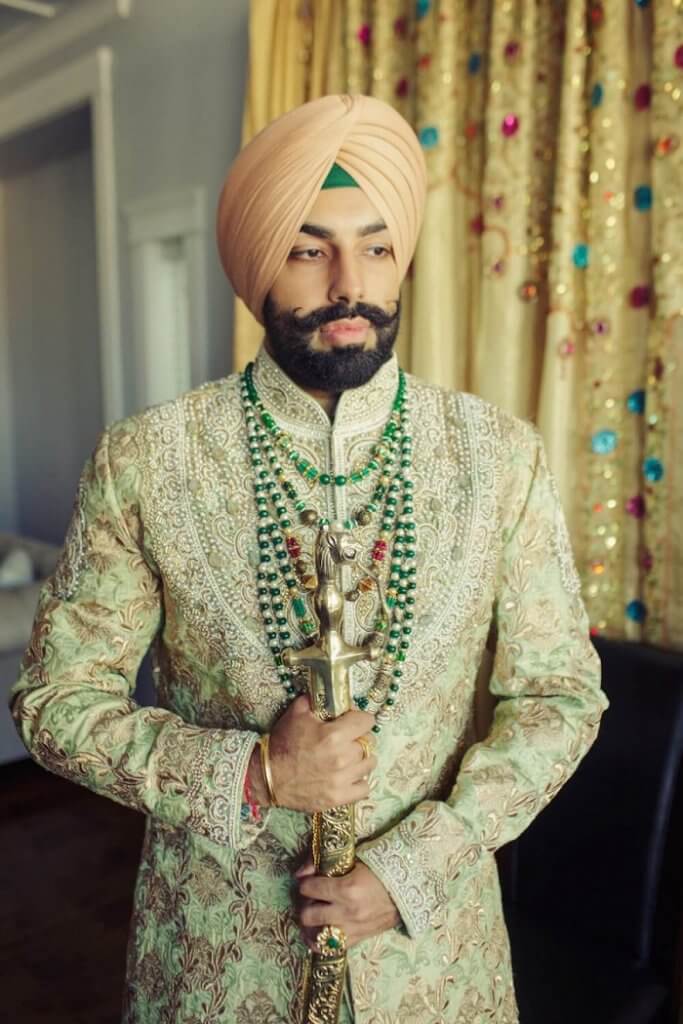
{"x": 282, "y": 562}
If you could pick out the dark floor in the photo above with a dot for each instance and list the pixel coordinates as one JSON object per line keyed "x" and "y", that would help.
{"x": 65, "y": 899}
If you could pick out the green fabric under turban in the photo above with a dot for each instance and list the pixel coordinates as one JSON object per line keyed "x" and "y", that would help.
{"x": 339, "y": 178}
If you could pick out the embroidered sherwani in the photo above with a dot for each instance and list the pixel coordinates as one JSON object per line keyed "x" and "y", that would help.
{"x": 162, "y": 550}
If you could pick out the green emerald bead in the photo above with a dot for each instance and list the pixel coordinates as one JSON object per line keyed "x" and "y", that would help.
{"x": 307, "y": 627}
{"x": 324, "y": 478}
{"x": 380, "y": 625}
{"x": 389, "y": 701}
{"x": 391, "y": 601}
{"x": 377, "y": 728}
{"x": 293, "y": 455}
{"x": 407, "y": 630}
{"x": 373, "y": 464}
{"x": 291, "y": 690}
{"x": 349, "y": 524}
{"x": 323, "y": 521}
{"x": 285, "y": 634}
{"x": 311, "y": 473}
{"x": 302, "y": 465}
{"x": 394, "y": 687}
{"x": 299, "y": 606}
{"x": 361, "y": 702}
{"x": 391, "y": 648}
{"x": 365, "y": 472}
{"x": 332, "y": 942}
{"x": 401, "y": 656}
{"x": 300, "y": 506}
{"x": 356, "y": 477}
{"x": 340, "y": 480}
{"x": 285, "y": 522}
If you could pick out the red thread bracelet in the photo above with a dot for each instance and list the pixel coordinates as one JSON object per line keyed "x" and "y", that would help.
{"x": 249, "y": 799}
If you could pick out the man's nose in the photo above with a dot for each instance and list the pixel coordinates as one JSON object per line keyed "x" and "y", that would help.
{"x": 346, "y": 283}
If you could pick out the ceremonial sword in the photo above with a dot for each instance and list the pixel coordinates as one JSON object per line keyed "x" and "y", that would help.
{"x": 328, "y": 659}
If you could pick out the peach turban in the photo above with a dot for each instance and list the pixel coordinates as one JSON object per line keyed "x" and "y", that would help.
{"x": 275, "y": 180}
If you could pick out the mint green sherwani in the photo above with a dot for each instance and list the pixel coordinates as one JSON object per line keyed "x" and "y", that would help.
{"x": 162, "y": 550}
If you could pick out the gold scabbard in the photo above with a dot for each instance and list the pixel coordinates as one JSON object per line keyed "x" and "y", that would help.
{"x": 328, "y": 659}
{"x": 334, "y": 850}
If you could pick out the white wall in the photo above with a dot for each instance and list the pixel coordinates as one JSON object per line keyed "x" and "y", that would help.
{"x": 179, "y": 80}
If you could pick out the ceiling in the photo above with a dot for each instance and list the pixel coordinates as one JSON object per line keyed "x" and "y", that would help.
{"x": 12, "y": 19}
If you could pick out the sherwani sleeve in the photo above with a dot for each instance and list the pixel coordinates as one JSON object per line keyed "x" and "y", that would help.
{"x": 72, "y": 704}
{"x": 546, "y": 677}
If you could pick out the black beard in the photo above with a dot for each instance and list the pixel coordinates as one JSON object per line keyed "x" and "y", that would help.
{"x": 340, "y": 368}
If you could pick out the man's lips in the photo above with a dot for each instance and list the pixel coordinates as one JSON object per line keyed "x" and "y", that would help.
{"x": 345, "y": 330}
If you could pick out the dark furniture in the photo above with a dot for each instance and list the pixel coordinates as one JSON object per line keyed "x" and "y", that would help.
{"x": 593, "y": 888}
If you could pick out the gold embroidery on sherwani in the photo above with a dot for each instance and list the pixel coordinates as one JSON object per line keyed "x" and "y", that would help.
{"x": 163, "y": 551}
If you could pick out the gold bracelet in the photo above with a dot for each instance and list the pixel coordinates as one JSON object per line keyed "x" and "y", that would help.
{"x": 265, "y": 768}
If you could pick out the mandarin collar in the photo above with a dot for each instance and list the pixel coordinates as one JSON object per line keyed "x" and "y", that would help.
{"x": 358, "y": 409}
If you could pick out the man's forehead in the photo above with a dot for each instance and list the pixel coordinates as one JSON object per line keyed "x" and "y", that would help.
{"x": 342, "y": 210}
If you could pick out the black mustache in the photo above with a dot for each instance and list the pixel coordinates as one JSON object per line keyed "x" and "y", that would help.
{"x": 376, "y": 316}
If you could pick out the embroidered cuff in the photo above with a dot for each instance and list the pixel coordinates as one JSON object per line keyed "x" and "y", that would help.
{"x": 215, "y": 796}
{"x": 416, "y": 891}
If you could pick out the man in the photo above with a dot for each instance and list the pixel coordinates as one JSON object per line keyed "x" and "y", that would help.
{"x": 193, "y": 532}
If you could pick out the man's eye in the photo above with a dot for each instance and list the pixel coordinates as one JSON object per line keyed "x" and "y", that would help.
{"x": 306, "y": 253}
{"x": 383, "y": 249}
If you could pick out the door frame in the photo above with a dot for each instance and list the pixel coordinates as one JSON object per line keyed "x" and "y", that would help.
{"x": 85, "y": 81}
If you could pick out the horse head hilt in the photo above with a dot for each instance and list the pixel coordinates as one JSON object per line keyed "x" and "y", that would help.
{"x": 334, "y": 547}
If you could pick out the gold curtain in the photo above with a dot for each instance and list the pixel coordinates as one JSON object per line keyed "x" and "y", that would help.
{"x": 549, "y": 276}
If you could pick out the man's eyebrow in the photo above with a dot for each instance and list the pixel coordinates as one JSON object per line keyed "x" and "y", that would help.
{"x": 319, "y": 232}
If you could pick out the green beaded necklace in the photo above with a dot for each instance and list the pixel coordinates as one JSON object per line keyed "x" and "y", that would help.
{"x": 281, "y": 557}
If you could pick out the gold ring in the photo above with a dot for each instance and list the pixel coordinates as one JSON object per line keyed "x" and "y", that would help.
{"x": 365, "y": 744}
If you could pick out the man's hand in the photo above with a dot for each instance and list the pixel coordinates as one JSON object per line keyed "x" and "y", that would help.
{"x": 315, "y": 764}
{"x": 357, "y": 902}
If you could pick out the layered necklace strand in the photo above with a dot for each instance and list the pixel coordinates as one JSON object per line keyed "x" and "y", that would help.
{"x": 282, "y": 563}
